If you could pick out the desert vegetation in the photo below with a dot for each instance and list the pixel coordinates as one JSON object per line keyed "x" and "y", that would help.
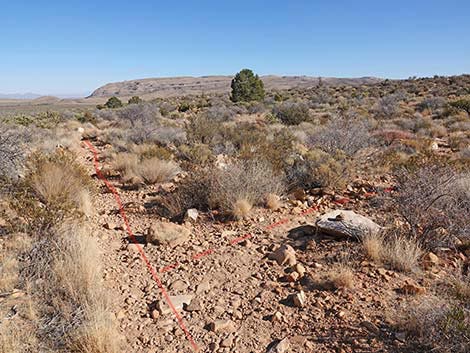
{"x": 395, "y": 152}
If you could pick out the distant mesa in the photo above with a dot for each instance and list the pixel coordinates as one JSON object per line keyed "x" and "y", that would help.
{"x": 180, "y": 86}
{"x": 19, "y": 96}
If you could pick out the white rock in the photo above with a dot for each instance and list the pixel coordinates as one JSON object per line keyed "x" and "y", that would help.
{"x": 178, "y": 301}
{"x": 347, "y": 224}
{"x": 191, "y": 215}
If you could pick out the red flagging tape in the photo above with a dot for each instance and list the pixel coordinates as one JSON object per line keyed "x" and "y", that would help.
{"x": 141, "y": 251}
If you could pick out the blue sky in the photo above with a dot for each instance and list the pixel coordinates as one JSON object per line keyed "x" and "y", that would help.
{"x": 68, "y": 47}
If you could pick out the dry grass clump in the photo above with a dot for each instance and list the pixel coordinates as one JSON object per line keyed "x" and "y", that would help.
{"x": 66, "y": 281}
{"x": 55, "y": 187}
{"x": 124, "y": 162}
{"x": 437, "y": 324}
{"x": 341, "y": 277}
{"x": 373, "y": 246}
{"x": 273, "y": 202}
{"x": 397, "y": 251}
{"x": 155, "y": 170}
{"x": 241, "y": 185}
{"x": 402, "y": 253}
{"x": 142, "y": 165}
{"x": 241, "y": 208}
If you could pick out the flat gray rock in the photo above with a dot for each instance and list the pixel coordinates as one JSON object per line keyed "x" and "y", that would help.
{"x": 347, "y": 224}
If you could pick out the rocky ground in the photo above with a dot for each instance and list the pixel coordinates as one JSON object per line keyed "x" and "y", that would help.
{"x": 258, "y": 285}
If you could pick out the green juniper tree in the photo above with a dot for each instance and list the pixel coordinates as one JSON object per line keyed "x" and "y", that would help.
{"x": 247, "y": 87}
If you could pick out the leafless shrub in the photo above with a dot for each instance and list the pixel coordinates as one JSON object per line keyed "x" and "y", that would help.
{"x": 433, "y": 104}
{"x": 435, "y": 203}
{"x": 168, "y": 135}
{"x": 318, "y": 169}
{"x": 247, "y": 181}
{"x": 220, "y": 113}
{"x": 388, "y": 106}
{"x": 348, "y": 136}
{"x": 437, "y": 324}
{"x": 11, "y": 149}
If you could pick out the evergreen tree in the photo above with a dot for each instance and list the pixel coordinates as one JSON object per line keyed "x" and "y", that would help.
{"x": 113, "y": 102}
{"x": 247, "y": 87}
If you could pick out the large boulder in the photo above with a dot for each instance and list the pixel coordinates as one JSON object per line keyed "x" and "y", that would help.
{"x": 346, "y": 224}
{"x": 166, "y": 233}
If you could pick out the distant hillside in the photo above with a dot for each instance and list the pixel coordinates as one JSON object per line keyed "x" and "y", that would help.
{"x": 19, "y": 96}
{"x": 179, "y": 86}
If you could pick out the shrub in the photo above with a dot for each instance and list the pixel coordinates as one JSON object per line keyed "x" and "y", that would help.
{"x": 64, "y": 275}
{"x": 135, "y": 100}
{"x": 242, "y": 184}
{"x": 437, "y": 324}
{"x": 247, "y": 87}
{"x": 292, "y": 113}
{"x": 55, "y": 188}
{"x": 388, "y": 106}
{"x": 347, "y": 136}
{"x": 113, "y": 103}
{"x": 433, "y": 104}
{"x": 434, "y": 203}
{"x": 461, "y": 104}
{"x": 318, "y": 169}
{"x": 154, "y": 170}
{"x": 11, "y": 149}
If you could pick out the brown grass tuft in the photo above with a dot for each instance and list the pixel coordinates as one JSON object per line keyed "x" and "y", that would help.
{"x": 241, "y": 208}
{"x": 273, "y": 202}
{"x": 342, "y": 278}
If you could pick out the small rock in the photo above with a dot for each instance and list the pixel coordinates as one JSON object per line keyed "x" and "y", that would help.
{"x": 109, "y": 225}
{"x": 166, "y": 233}
{"x": 401, "y": 336}
{"x": 134, "y": 248}
{"x": 300, "y": 269}
{"x": 204, "y": 286}
{"x": 179, "y": 285}
{"x": 178, "y": 301}
{"x": 281, "y": 347}
{"x": 227, "y": 342}
{"x": 284, "y": 255}
{"x": 371, "y": 327}
{"x": 412, "y": 289}
{"x": 121, "y": 315}
{"x": 222, "y": 326}
{"x": 277, "y": 317}
{"x": 155, "y": 314}
{"x": 293, "y": 277}
{"x": 191, "y": 215}
{"x": 299, "y": 299}
{"x": 195, "y": 305}
{"x": 430, "y": 260}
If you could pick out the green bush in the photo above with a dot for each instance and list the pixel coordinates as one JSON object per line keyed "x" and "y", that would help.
{"x": 135, "y": 100}
{"x": 113, "y": 102}
{"x": 461, "y": 104}
{"x": 247, "y": 87}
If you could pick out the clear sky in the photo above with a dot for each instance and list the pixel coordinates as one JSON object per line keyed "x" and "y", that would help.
{"x": 69, "y": 46}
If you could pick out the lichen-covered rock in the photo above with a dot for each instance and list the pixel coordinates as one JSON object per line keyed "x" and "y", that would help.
{"x": 347, "y": 224}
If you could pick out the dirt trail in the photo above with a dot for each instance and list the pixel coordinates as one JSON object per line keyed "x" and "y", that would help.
{"x": 230, "y": 278}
